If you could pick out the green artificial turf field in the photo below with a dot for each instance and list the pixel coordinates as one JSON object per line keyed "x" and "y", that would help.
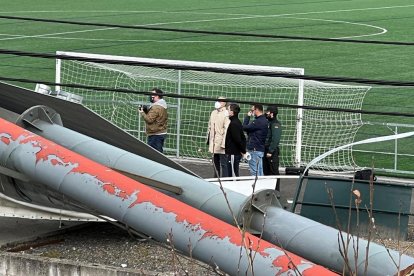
{"x": 359, "y": 19}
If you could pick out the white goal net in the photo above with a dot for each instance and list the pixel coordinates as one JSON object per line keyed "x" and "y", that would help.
{"x": 306, "y": 133}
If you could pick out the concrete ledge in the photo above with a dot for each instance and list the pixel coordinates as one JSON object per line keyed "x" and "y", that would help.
{"x": 17, "y": 264}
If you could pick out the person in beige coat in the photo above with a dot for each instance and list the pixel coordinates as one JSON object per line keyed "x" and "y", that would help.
{"x": 217, "y": 128}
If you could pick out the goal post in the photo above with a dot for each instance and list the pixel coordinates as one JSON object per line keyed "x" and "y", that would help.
{"x": 306, "y": 133}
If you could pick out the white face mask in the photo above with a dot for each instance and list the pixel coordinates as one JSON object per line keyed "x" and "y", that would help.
{"x": 226, "y": 113}
{"x": 217, "y": 105}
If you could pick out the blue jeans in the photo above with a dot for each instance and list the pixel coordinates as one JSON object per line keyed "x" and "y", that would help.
{"x": 157, "y": 142}
{"x": 256, "y": 163}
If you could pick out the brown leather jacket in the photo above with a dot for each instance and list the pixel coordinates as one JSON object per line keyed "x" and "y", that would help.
{"x": 156, "y": 118}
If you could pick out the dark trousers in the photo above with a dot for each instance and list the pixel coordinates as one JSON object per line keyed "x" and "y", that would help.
{"x": 220, "y": 164}
{"x": 233, "y": 162}
{"x": 157, "y": 142}
{"x": 271, "y": 165}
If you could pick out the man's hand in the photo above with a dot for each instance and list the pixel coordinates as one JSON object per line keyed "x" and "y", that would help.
{"x": 268, "y": 155}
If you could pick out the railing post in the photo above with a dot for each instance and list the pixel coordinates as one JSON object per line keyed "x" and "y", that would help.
{"x": 178, "y": 115}
{"x": 299, "y": 122}
{"x": 396, "y": 150}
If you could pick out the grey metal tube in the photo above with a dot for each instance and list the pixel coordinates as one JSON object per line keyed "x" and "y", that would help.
{"x": 292, "y": 232}
{"x": 145, "y": 209}
{"x": 197, "y": 192}
{"x": 319, "y": 243}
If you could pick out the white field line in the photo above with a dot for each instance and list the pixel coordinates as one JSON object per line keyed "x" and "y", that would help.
{"x": 53, "y": 35}
{"x": 50, "y": 36}
{"x": 382, "y": 30}
{"x": 197, "y": 21}
{"x": 210, "y": 13}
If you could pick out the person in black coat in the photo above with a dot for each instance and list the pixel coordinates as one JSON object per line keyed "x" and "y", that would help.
{"x": 235, "y": 141}
{"x": 272, "y": 151}
{"x": 256, "y": 138}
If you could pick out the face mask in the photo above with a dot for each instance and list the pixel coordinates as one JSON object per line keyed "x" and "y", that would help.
{"x": 217, "y": 105}
{"x": 226, "y": 113}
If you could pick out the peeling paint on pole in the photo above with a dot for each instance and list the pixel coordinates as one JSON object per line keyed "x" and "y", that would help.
{"x": 314, "y": 241}
{"x": 144, "y": 208}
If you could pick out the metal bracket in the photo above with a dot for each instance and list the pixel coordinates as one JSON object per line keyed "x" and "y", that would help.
{"x": 258, "y": 202}
{"x": 38, "y": 113}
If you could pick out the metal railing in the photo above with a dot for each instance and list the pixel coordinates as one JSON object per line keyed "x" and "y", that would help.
{"x": 396, "y": 156}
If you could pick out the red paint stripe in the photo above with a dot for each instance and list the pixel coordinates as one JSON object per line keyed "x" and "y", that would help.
{"x": 5, "y": 140}
{"x": 121, "y": 186}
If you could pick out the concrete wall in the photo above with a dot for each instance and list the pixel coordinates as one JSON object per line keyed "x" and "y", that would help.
{"x": 16, "y": 264}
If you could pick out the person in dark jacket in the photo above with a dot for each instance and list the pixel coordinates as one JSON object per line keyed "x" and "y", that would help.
{"x": 235, "y": 141}
{"x": 272, "y": 151}
{"x": 256, "y": 138}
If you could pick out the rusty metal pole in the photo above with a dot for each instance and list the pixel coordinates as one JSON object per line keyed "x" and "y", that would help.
{"x": 314, "y": 241}
{"x": 45, "y": 122}
{"x": 145, "y": 209}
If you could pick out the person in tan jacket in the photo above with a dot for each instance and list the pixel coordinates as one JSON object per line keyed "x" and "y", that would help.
{"x": 217, "y": 128}
{"x": 156, "y": 118}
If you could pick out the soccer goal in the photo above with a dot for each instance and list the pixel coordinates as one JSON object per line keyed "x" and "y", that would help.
{"x": 307, "y": 133}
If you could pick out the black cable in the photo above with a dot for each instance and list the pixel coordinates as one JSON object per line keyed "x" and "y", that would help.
{"x": 174, "y": 95}
{"x": 212, "y": 69}
{"x": 397, "y": 43}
